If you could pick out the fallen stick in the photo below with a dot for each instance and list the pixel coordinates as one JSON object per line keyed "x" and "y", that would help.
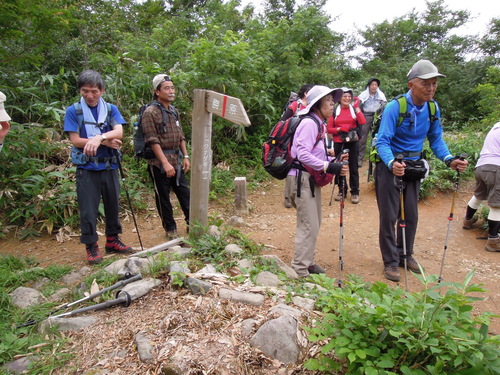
{"x": 158, "y": 248}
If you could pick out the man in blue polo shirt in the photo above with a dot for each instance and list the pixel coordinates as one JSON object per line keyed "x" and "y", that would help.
{"x": 392, "y": 174}
{"x": 95, "y": 130}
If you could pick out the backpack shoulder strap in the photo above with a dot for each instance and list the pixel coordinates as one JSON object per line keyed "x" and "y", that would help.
{"x": 432, "y": 106}
{"x": 403, "y": 108}
{"x": 79, "y": 115}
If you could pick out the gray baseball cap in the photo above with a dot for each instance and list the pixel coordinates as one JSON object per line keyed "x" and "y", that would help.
{"x": 423, "y": 69}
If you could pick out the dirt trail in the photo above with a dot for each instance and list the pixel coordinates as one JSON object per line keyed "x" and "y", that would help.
{"x": 272, "y": 224}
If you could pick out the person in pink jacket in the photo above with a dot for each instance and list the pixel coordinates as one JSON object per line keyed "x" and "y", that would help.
{"x": 345, "y": 126}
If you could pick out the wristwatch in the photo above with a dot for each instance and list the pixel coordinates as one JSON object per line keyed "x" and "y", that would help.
{"x": 103, "y": 136}
{"x": 186, "y": 156}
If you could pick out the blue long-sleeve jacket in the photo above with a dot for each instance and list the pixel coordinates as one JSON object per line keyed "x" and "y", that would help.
{"x": 410, "y": 135}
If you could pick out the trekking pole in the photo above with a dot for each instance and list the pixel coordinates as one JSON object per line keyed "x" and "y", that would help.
{"x": 128, "y": 198}
{"x": 341, "y": 240}
{"x": 344, "y": 151}
{"x": 128, "y": 279}
{"x": 402, "y": 223}
{"x": 450, "y": 218}
{"x": 121, "y": 298}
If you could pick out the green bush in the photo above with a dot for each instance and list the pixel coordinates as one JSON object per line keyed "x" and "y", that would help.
{"x": 376, "y": 329}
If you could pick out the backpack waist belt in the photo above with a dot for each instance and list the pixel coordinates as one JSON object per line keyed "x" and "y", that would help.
{"x": 369, "y": 113}
{"x": 410, "y": 154}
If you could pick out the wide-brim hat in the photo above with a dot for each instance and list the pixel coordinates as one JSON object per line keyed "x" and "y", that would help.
{"x": 316, "y": 93}
{"x": 373, "y": 80}
{"x": 345, "y": 90}
{"x": 423, "y": 69}
{"x": 3, "y": 115}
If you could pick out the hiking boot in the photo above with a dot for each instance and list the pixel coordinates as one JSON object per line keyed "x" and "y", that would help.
{"x": 115, "y": 245}
{"x": 411, "y": 265}
{"x": 315, "y": 269}
{"x": 287, "y": 203}
{"x": 493, "y": 244}
{"x": 171, "y": 234}
{"x": 93, "y": 254}
{"x": 338, "y": 197}
{"x": 354, "y": 198}
{"x": 469, "y": 223}
{"x": 392, "y": 273}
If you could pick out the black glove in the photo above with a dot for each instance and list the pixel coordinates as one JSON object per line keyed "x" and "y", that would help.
{"x": 334, "y": 168}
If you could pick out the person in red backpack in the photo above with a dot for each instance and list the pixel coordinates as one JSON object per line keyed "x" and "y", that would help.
{"x": 345, "y": 126}
{"x": 309, "y": 151}
{"x": 292, "y": 109}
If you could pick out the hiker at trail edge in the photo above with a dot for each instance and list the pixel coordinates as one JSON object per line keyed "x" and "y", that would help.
{"x": 308, "y": 148}
{"x": 487, "y": 173}
{"x": 407, "y": 139}
{"x": 166, "y": 138}
{"x": 372, "y": 99}
{"x": 292, "y": 109}
{"x": 345, "y": 126}
{"x": 95, "y": 129}
{"x": 4, "y": 120}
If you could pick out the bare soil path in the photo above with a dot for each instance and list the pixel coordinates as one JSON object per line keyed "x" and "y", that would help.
{"x": 272, "y": 224}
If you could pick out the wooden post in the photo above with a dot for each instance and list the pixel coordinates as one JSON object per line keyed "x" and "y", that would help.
{"x": 205, "y": 103}
{"x": 201, "y": 159}
{"x": 240, "y": 195}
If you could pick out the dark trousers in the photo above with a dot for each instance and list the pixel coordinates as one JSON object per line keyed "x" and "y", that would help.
{"x": 388, "y": 201}
{"x": 163, "y": 185}
{"x": 353, "y": 166}
{"x": 90, "y": 187}
{"x": 365, "y": 134}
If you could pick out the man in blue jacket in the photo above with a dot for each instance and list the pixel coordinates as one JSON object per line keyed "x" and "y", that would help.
{"x": 400, "y": 148}
{"x": 95, "y": 129}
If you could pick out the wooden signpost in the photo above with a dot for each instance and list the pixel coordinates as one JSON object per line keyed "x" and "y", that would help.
{"x": 205, "y": 104}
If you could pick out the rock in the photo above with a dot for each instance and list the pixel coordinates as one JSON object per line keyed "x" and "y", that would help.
{"x": 20, "y": 366}
{"x": 135, "y": 266}
{"x": 137, "y": 289}
{"x": 245, "y": 265}
{"x": 236, "y": 221}
{"x": 197, "y": 286}
{"x": 181, "y": 252}
{"x": 277, "y": 339}
{"x": 289, "y": 271}
{"x": 59, "y": 295}
{"x": 116, "y": 266}
{"x": 181, "y": 267}
{"x": 214, "y": 231}
{"x": 24, "y": 297}
{"x": 233, "y": 249}
{"x": 75, "y": 276}
{"x": 144, "y": 347}
{"x": 243, "y": 297}
{"x": 67, "y": 324}
{"x": 305, "y": 303}
{"x": 247, "y": 327}
{"x": 282, "y": 309}
{"x": 266, "y": 278}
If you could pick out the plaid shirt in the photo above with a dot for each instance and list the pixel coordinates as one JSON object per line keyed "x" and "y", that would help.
{"x": 168, "y": 137}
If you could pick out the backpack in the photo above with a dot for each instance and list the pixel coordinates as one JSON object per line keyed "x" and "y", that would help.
{"x": 77, "y": 156}
{"x": 294, "y": 97}
{"x": 276, "y": 156}
{"x": 403, "y": 113}
{"x": 142, "y": 150}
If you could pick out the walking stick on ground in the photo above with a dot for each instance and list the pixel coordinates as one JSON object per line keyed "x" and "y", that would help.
{"x": 402, "y": 223}
{"x": 128, "y": 199}
{"x": 128, "y": 279}
{"x": 450, "y": 219}
{"x": 341, "y": 240}
{"x": 121, "y": 298}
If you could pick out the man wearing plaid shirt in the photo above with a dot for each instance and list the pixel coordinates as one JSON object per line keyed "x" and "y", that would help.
{"x": 163, "y": 133}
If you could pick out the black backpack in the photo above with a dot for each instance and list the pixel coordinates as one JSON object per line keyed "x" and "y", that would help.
{"x": 276, "y": 156}
{"x": 142, "y": 150}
